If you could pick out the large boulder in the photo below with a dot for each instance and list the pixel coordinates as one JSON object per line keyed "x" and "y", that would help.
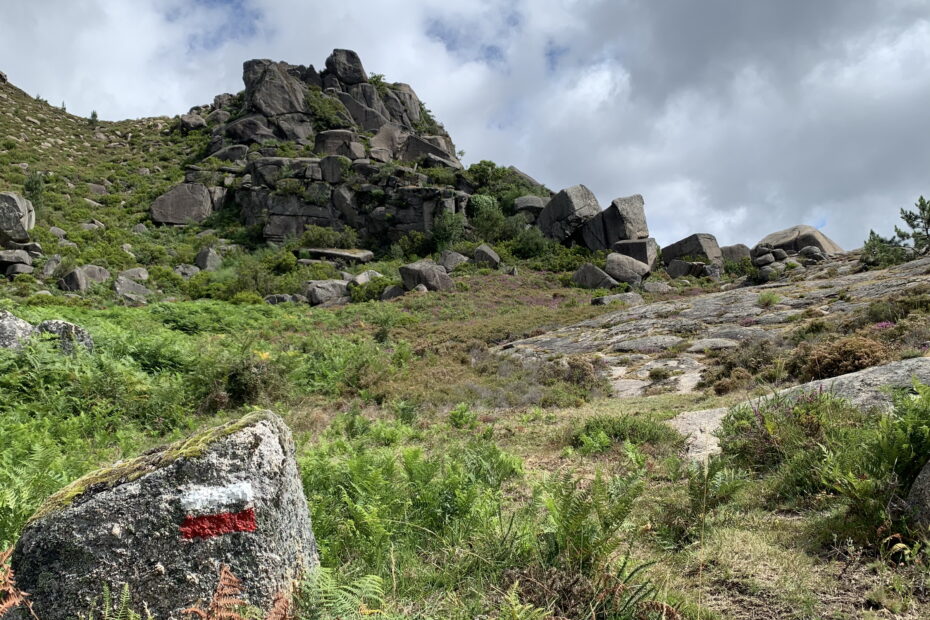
{"x": 530, "y": 207}
{"x": 250, "y": 129}
{"x": 14, "y": 331}
{"x": 270, "y": 90}
{"x": 130, "y": 291}
{"x": 326, "y": 291}
{"x": 17, "y": 218}
{"x": 165, "y": 522}
{"x": 622, "y": 268}
{"x": 428, "y": 274}
{"x": 797, "y": 237}
{"x": 486, "y": 256}
{"x": 735, "y": 253}
{"x": 183, "y": 204}
{"x": 80, "y": 279}
{"x": 567, "y": 212}
{"x": 346, "y": 66}
{"x": 450, "y": 260}
{"x": 590, "y": 276}
{"x": 643, "y": 250}
{"x": 623, "y": 219}
{"x": 700, "y": 246}
{"x": 208, "y": 259}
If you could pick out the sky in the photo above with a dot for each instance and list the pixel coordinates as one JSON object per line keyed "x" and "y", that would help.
{"x": 733, "y": 117}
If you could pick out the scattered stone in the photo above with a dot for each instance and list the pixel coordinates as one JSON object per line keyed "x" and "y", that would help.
{"x": 679, "y": 269}
{"x": 392, "y": 292}
{"x": 591, "y": 277}
{"x": 130, "y": 290}
{"x": 51, "y": 266}
{"x": 14, "y": 257}
{"x": 364, "y": 278}
{"x": 657, "y": 288}
{"x": 97, "y": 189}
{"x": 322, "y": 291}
{"x": 14, "y": 331}
{"x": 140, "y": 229}
{"x": 93, "y": 225}
{"x": 420, "y": 288}
{"x": 486, "y": 256}
{"x": 58, "y": 232}
{"x": 139, "y": 274}
{"x": 625, "y": 269}
{"x": 229, "y": 496}
{"x": 813, "y": 253}
{"x": 700, "y": 246}
{"x": 630, "y": 299}
{"x": 187, "y": 271}
{"x": 208, "y": 259}
{"x": 69, "y": 335}
{"x": 79, "y": 279}
{"x": 285, "y": 299}
{"x": 567, "y": 212}
{"x": 428, "y": 274}
{"x": 450, "y": 260}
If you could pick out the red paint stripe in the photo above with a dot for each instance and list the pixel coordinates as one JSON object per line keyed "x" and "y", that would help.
{"x": 208, "y": 526}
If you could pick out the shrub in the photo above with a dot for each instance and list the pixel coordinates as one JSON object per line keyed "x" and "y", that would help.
{"x": 504, "y": 184}
{"x": 875, "y": 474}
{"x": 767, "y": 299}
{"x": 461, "y": 416}
{"x": 448, "y": 229}
{"x": 486, "y": 217}
{"x": 34, "y": 189}
{"x": 326, "y": 112}
{"x": 635, "y": 429}
{"x": 92, "y": 121}
{"x": 321, "y": 237}
{"x": 370, "y": 291}
{"x": 529, "y": 243}
{"x": 838, "y": 357}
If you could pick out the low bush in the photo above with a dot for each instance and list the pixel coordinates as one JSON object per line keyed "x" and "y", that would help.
{"x": 837, "y": 357}
{"x": 637, "y": 430}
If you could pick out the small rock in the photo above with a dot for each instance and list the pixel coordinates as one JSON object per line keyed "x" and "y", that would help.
{"x": 392, "y": 292}
{"x": 14, "y": 331}
{"x": 323, "y": 291}
{"x": 187, "y": 271}
{"x": 450, "y": 260}
{"x": 70, "y": 336}
{"x": 427, "y": 273}
{"x": 590, "y": 277}
{"x": 208, "y": 259}
{"x": 485, "y": 255}
{"x": 625, "y": 269}
{"x": 630, "y": 299}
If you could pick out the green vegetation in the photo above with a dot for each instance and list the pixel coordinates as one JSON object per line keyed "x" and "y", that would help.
{"x": 883, "y": 252}
{"x": 327, "y": 112}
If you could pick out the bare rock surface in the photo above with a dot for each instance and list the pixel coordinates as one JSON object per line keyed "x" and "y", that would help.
{"x": 165, "y": 522}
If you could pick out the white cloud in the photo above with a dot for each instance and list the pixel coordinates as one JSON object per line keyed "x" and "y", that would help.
{"x": 732, "y": 121}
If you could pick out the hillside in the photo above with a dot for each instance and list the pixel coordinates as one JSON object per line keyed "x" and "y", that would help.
{"x": 505, "y": 401}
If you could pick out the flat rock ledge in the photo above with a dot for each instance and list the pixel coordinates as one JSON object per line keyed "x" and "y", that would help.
{"x": 165, "y": 522}
{"x": 871, "y": 388}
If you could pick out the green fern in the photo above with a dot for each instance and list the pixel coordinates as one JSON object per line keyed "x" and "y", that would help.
{"x": 513, "y": 609}
{"x": 120, "y": 609}
{"x": 324, "y": 597}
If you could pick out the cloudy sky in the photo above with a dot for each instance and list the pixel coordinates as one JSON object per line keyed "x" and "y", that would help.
{"x": 735, "y": 117}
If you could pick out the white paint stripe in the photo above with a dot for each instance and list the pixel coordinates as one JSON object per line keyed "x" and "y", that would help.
{"x": 215, "y": 499}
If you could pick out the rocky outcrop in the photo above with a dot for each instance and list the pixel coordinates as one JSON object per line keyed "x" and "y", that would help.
{"x": 797, "y": 237}
{"x": 346, "y": 66}
{"x": 164, "y": 522}
{"x": 17, "y": 218}
{"x": 183, "y": 204}
{"x": 567, "y": 212}
{"x": 734, "y": 253}
{"x": 623, "y": 220}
